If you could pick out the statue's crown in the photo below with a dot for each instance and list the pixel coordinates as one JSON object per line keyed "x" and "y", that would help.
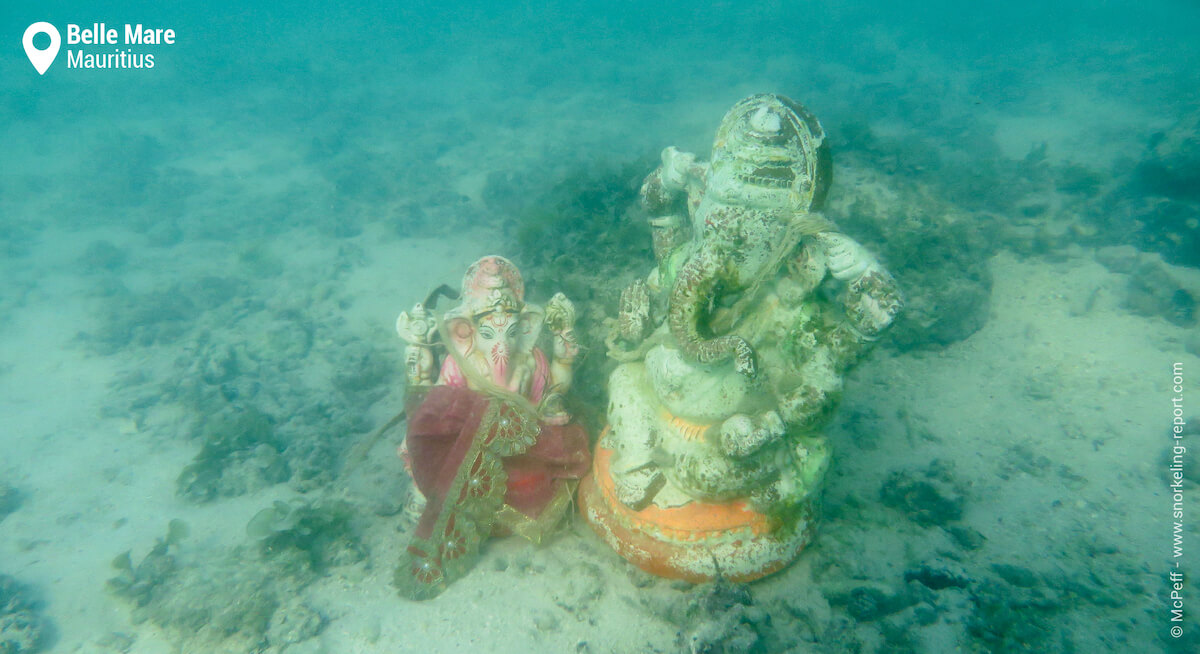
{"x": 492, "y": 284}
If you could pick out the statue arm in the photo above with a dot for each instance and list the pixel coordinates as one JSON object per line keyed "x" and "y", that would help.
{"x": 560, "y": 318}
{"x": 872, "y": 299}
{"x": 668, "y": 195}
{"x": 418, "y": 330}
{"x": 805, "y": 272}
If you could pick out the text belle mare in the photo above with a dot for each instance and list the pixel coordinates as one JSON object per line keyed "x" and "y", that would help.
{"x": 101, "y": 34}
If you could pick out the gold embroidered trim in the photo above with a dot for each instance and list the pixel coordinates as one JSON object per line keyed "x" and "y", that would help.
{"x": 536, "y": 529}
{"x": 471, "y": 505}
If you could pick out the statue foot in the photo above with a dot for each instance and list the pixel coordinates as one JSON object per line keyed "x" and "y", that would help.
{"x": 637, "y": 488}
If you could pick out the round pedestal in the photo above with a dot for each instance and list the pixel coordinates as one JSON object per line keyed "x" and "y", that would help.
{"x": 696, "y": 542}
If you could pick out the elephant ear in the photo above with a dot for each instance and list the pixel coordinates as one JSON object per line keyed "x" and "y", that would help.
{"x": 531, "y": 320}
{"x": 462, "y": 334}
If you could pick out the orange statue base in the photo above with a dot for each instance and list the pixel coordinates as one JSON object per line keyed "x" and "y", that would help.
{"x": 696, "y": 542}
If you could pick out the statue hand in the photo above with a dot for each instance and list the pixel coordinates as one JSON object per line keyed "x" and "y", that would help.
{"x": 873, "y": 302}
{"x": 872, "y": 299}
{"x": 846, "y": 258}
{"x": 676, "y": 166}
{"x": 560, "y": 318}
{"x": 553, "y": 411}
{"x": 633, "y": 317}
{"x": 742, "y": 435}
{"x": 418, "y": 365}
{"x": 560, "y": 314}
{"x": 521, "y": 375}
{"x": 566, "y": 347}
{"x": 416, "y": 327}
{"x": 806, "y": 405}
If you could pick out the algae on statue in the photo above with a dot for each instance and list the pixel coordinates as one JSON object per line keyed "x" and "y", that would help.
{"x": 714, "y": 457}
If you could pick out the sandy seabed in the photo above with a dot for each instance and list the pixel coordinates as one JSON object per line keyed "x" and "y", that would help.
{"x": 1053, "y": 419}
{"x": 1083, "y": 391}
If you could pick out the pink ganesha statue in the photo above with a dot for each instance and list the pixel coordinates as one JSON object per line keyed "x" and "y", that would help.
{"x": 489, "y": 444}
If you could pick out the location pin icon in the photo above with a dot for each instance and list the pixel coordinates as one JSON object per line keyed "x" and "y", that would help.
{"x": 41, "y": 59}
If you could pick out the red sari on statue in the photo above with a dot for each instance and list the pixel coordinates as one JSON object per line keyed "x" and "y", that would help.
{"x": 482, "y": 462}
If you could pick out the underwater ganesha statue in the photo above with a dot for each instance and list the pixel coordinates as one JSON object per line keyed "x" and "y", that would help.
{"x": 713, "y": 459}
{"x": 489, "y": 444}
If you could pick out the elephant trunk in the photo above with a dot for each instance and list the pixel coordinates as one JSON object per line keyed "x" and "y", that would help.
{"x": 694, "y": 286}
{"x": 499, "y": 360}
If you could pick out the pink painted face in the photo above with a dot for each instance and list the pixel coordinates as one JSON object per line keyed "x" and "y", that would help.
{"x": 495, "y": 338}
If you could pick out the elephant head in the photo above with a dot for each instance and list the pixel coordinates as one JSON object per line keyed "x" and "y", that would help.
{"x": 494, "y": 331}
{"x": 770, "y": 170}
